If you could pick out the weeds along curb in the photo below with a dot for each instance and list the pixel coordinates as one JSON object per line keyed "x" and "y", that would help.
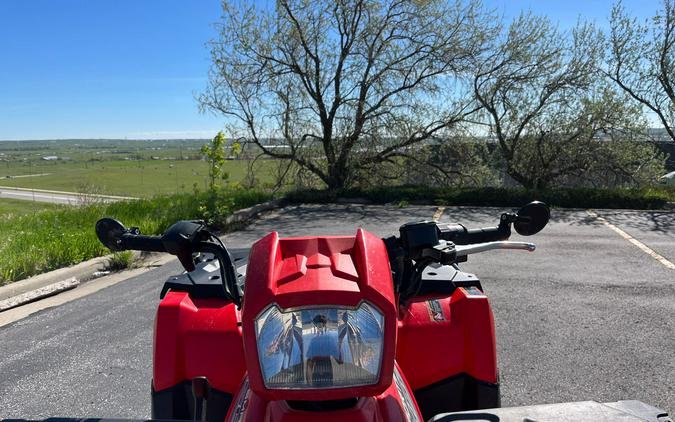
{"x": 54, "y": 282}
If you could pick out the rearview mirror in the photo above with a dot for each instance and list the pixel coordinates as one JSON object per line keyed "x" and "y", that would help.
{"x": 532, "y": 218}
{"x": 109, "y": 232}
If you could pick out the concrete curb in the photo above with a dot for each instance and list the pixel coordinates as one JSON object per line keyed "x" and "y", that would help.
{"x": 243, "y": 216}
{"x": 36, "y": 286}
{"x": 83, "y": 271}
{"x": 49, "y": 284}
{"x": 38, "y": 294}
{"x": 84, "y": 289}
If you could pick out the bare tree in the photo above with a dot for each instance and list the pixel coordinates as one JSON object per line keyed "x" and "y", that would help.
{"x": 338, "y": 86}
{"x": 642, "y": 60}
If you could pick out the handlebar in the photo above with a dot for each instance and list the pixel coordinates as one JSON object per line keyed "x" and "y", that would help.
{"x": 460, "y": 235}
{"x": 183, "y": 239}
{"x": 139, "y": 242}
{"x": 425, "y": 242}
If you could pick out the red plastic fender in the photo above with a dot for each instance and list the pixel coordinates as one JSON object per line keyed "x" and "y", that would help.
{"x": 471, "y": 309}
{"x": 197, "y": 337}
{"x": 386, "y": 407}
{"x": 440, "y": 336}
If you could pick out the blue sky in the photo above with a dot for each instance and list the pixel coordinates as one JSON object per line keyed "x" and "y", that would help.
{"x": 131, "y": 68}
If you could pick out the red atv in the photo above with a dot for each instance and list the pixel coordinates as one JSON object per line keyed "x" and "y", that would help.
{"x": 334, "y": 328}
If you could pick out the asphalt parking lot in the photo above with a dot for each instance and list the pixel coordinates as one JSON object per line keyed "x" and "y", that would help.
{"x": 588, "y": 316}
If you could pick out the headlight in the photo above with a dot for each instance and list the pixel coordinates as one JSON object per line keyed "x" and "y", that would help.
{"x": 322, "y": 347}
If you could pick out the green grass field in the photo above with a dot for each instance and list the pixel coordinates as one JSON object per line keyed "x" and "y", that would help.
{"x": 100, "y": 149}
{"x": 11, "y": 207}
{"x": 142, "y": 178}
{"x": 139, "y": 168}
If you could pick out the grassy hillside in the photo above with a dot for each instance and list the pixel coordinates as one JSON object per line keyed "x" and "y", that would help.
{"x": 48, "y": 239}
{"x": 20, "y": 207}
{"x": 142, "y": 178}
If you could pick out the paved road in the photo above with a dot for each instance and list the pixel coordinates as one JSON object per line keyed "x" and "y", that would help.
{"x": 65, "y": 198}
{"x": 586, "y": 316}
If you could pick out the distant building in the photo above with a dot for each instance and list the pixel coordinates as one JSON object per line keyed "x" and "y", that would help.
{"x": 668, "y": 179}
{"x": 50, "y": 158}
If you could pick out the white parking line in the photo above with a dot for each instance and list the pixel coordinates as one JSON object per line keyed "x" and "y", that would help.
{"x": 644, "y": 248}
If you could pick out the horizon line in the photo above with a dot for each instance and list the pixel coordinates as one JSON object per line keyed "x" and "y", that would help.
{"x": 102, "y": 139}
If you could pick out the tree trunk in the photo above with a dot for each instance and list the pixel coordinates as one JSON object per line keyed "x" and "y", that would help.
{"x": 518, "y": 177}
{"x": 337, "y": 176}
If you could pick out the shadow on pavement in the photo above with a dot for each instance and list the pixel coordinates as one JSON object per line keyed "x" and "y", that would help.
{"x": 655, "y": 221}
{"x": 320, "y": 217}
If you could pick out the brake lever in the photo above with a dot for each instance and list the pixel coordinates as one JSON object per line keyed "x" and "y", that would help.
{"x": 464, "y": 250}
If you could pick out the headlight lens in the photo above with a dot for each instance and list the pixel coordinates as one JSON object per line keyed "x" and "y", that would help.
{"x": 323, "y": 347}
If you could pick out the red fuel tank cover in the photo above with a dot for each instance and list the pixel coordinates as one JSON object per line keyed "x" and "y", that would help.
{"x": 309, "y": 272}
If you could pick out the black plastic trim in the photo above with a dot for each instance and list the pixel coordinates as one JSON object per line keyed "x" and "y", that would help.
{"x": 203, "y": 284}
{"x": 178, "y": 402}
{"x": 322, "y": 405}
{"x": 459, "y": 392}
{"x": 444, "y": 279}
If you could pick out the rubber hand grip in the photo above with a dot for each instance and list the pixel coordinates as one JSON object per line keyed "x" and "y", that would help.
{"x": 143, "y": 243}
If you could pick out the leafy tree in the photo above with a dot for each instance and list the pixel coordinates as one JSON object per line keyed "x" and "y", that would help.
{"x": 545, "y": 103}
{"x": 236, "y": 148}
{"x": 340, "y": 86}
{"x": 215, "y": 154}
{"x": 462, "y": 161}
{"x": 642, "y": 61}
